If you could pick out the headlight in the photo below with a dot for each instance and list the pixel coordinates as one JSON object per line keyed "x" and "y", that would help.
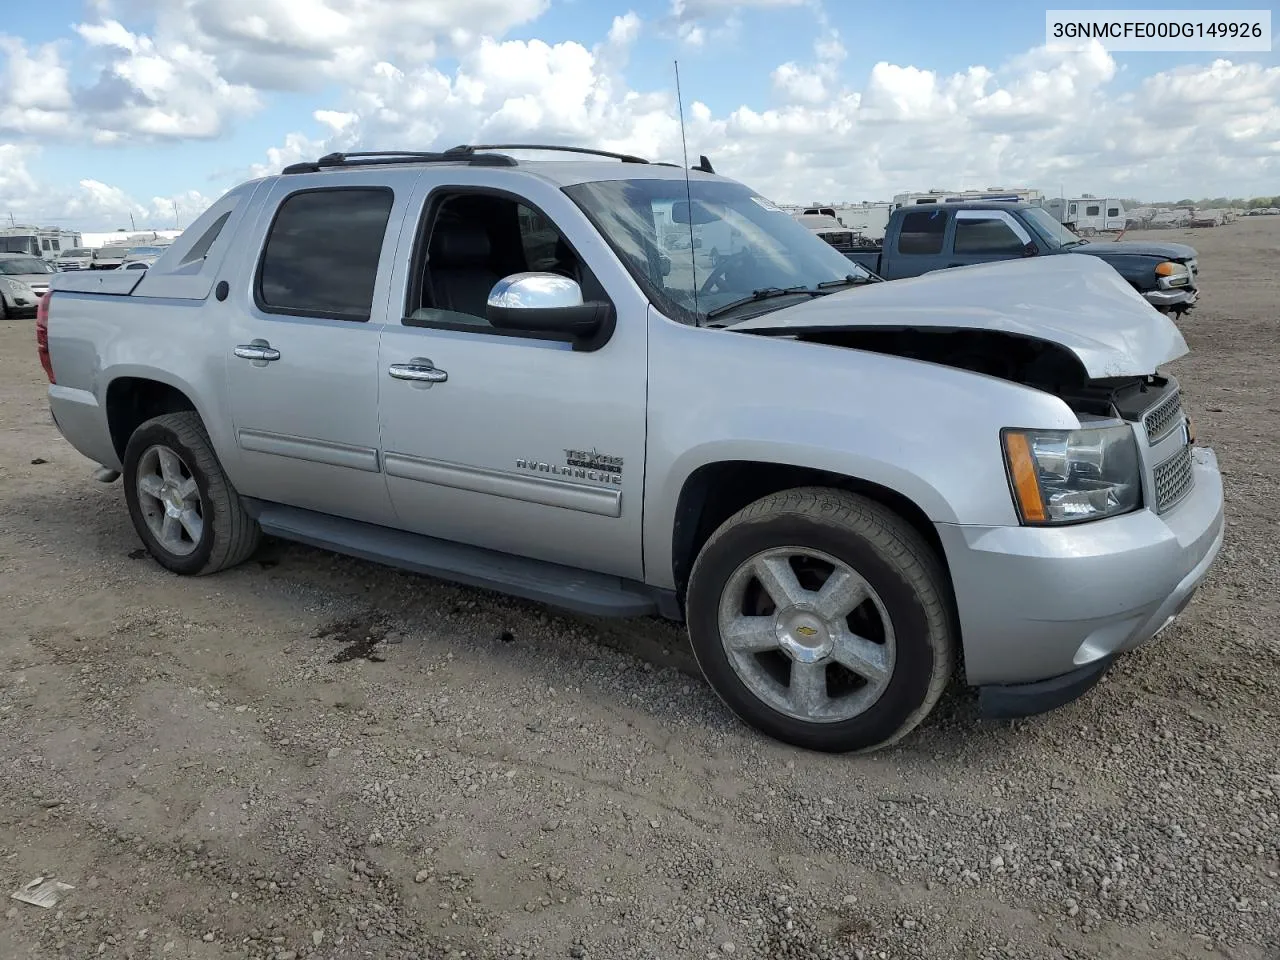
{"x": 1062, "y": 476}
{"x": 17, "y": 287}
{"x": 1169, "y": 274}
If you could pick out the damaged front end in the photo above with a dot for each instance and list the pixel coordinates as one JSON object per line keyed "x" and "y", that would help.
{"x": 1038, "y": 364}
{"x": 1069, "y": 326}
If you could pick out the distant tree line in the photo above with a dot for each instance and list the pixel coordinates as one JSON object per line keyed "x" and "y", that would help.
{"x": 1212, "y": 203}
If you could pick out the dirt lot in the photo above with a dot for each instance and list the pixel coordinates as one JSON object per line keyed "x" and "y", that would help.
{"x": 315, "y": 757}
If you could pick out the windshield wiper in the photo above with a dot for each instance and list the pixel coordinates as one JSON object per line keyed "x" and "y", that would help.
{"x": 764, "y": 293}
{"x": 847, "y": 280}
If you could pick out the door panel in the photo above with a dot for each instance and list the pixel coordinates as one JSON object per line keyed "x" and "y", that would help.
{"x": 302, "y": 348}
{"x": 519, "y": 444}
{"x": 920, "y": 245}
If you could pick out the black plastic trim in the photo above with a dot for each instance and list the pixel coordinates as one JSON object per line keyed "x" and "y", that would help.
{"x": 1011, "y": 701}
{"x": 331, "y": 161}
{"x": 468, "y": 150}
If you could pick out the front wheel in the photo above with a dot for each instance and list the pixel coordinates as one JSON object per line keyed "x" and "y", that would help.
{"x": 822, "y": 619}
{"x": 184, "y": 508}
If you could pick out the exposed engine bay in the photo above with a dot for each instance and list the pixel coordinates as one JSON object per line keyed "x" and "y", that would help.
{"x": 1039, "y": 364}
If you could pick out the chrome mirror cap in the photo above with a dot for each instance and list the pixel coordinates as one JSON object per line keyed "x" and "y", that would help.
{"x": 536, "y": 291}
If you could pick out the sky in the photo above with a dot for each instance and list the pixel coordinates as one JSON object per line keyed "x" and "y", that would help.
{"x": 150, "y": 109}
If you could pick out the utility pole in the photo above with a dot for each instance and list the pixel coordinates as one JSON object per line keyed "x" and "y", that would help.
{"x": 132, "y": 225}
{"x": 176, "y": 224}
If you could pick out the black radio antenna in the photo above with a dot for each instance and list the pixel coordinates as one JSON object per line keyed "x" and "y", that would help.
{"x": 688, "y": 195}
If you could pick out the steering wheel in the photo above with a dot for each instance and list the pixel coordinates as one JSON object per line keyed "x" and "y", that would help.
{"x": 720, "y": 272}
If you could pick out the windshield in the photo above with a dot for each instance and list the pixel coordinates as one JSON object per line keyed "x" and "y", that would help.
{"x": 22, "y": 266}
{"x": 114, "y": 252}
{"x": 1049, "y": 228}
{"x": 19, "y": 245}
{"x": 146, "y": 251}
{"x": 78, "y": 252}
{"x": 738, "y": 246}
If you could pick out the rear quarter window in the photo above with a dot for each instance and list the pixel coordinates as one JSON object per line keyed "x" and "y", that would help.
{"x": 322, "y": 252}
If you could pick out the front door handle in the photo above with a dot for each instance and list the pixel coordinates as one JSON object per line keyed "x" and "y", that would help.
{"x": 258, "y": 350}
{"x": 419, "y": 369}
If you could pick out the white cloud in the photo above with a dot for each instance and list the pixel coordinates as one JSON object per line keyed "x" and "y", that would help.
{"x": 303, "y": 44}
{"x": 1043, "y": 118}
{"x": 88, "y": 205}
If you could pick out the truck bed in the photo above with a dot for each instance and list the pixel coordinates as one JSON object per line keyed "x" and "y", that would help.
{"x": 868, "y": 257}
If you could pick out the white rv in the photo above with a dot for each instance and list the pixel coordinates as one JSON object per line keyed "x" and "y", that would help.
{"x": 1005, "y": 194}
{"x": 43, "y": 242}
{"x": 1088, "y": 215}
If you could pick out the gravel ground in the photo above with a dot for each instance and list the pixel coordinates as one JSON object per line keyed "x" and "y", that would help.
{"x": 313, "y": 757}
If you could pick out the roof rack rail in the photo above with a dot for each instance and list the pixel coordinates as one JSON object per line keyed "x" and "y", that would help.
{"x": 379, "y": 157}
{"x": 469, "y": 149}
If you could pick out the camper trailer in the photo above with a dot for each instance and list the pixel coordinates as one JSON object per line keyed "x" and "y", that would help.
{"x": 1088, "y": 215}
{"x": 1006, "y": 194}
{"x": 44, "y": 242}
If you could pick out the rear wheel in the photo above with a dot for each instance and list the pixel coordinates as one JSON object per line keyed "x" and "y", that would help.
{"x": 185, "y": 510}
{"x": 822, "y": 619}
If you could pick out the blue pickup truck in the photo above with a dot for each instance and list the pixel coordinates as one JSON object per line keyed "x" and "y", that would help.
{"x": 920, "y": 240}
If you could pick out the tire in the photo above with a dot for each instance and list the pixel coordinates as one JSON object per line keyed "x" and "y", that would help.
{"x": 902, "y": 629}
{"x": 4, "y": 309}
{"x": 176, "y": 447}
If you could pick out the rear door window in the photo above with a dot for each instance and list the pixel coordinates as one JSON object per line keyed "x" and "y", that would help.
{"x": 922, "y": 232}
{"x": 321, "y": 256}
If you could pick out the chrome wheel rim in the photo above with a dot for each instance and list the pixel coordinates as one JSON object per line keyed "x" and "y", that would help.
{"x": 170, "y": 501}
{"x": 807, "y": 634}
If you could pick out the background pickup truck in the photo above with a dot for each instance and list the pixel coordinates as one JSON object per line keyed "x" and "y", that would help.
{"x": 492, "y": 371}
{"x": 943, "y": 235}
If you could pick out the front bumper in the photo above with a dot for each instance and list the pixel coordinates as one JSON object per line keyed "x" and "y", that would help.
{"x": 1185, "y": 297}
{"x": 1037, "y": 603}
{"x": 20, "y": 306}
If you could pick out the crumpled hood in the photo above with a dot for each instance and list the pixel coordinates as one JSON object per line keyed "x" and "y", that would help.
{"x": 1080, "y": 303}
{"x": 1139, "y": 248}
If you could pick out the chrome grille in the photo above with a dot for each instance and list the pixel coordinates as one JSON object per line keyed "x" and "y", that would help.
{"x": 1173, "y": 479}
{"x": 1163, "y": 417}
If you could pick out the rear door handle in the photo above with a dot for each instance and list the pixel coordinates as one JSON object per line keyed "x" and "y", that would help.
{"x": 258, "y": 350}
{"x": 419, "y": 369}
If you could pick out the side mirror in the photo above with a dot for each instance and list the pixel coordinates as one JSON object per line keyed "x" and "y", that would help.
{"x": 1030, "y": 249}
{"x": 544, "y": 303}
{"x": 664, "y": 264}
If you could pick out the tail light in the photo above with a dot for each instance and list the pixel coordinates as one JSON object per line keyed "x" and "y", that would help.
{"x": 42, "y": 334}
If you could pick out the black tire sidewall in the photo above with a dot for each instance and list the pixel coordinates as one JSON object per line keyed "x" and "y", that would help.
{"x": 914, "y": 660}
{"x": 159, "y": 434}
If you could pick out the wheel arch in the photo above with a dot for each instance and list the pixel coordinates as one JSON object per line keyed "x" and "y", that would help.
{"x": 133, "y": 399}
{"x": 715, "y": 491}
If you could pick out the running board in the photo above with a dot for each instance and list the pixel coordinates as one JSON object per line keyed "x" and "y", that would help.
{"x": 568, "y": 588}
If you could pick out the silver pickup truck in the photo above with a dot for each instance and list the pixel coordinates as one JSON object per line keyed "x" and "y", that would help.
{"x": 506, "y": 373}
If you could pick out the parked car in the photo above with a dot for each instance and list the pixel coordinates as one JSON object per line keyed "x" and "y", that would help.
{"x": 75, "y": 258}
{"x": 946, "y": 235}
{"x": 109, "y": 256}
{"x": 143, "y": 255}
{"x": 839, "y": 486}
{"x": 23, "y": 280}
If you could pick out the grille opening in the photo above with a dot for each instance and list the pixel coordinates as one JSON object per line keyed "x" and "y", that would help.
{"x": 1163, "y": 418}
{"x": 1173, "y": 479}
